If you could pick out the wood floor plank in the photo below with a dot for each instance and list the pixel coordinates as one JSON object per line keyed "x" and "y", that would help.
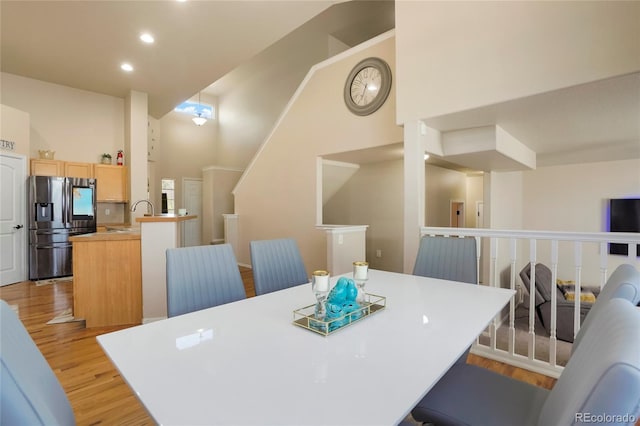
{"x": 97, "y": 392}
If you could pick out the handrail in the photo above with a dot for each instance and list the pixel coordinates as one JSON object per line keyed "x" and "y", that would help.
{"x": 508, "y": 259}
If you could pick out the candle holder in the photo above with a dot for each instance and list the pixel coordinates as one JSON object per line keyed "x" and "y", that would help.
{"x": 360, "y": 276}
{"x": 320, "y": 287}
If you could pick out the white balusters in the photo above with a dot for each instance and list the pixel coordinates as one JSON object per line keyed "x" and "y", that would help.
{"x": 553, "y": 341}
{"x": 532, "y": 300}
{"x": 602, "y": 262}
{"x": 576, "y": 310}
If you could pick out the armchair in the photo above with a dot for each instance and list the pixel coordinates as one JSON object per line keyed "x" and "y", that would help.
{"x": 543, "y": 288}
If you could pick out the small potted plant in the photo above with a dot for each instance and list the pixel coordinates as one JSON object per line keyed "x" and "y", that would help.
{"x": 106, "y": 158}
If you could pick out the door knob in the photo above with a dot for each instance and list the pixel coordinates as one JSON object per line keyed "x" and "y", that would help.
{"x": 18, "y": 227}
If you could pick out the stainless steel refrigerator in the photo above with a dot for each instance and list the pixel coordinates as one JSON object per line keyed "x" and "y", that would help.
{"x": 59, "y": 207}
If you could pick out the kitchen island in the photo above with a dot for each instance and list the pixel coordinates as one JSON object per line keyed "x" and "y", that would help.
{"x": 107, "y": 278}
{"x": 159, "y": 233}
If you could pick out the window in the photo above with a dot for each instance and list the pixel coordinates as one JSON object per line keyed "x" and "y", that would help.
{"x": 195, "y": 108}
{"x": 168, "y": 196}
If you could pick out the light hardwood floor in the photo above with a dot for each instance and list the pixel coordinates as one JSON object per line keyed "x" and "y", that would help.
{"x": 98, "y": 394}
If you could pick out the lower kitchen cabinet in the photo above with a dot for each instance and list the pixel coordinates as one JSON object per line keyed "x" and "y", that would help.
{"x": 107, "y": 279}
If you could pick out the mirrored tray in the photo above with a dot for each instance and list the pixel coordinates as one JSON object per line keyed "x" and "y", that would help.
{"x": 304, "y": 317}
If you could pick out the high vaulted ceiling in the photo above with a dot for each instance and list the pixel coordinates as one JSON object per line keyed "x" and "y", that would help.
{"x": 81, "y": 44}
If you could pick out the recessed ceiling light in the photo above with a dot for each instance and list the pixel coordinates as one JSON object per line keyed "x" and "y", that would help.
{"x": 181, "y": 1}
{"x": 126, "y": 67}
{"x": 147, "y": 38}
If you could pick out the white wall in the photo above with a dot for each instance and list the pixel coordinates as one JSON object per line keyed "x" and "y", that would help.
{"x": 77, "y": 124}
{"x": 185, "y": 150}
{"x": 373, "y": 196}
{"x": 453, "y": 56}
{"x": 575, "y": 198}
{"x": 475, "y": 194}
{"x": 276, "y": 196}
{"x": 441, "y": 187}
{"x": 249, "y": 109}
{"x": 14, "y": 128}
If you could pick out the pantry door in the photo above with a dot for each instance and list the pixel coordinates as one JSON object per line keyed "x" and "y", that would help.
{"x": 13, "y": 226}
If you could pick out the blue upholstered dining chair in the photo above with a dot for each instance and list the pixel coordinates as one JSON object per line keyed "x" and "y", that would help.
{"x": 201, "y": 277}
{"x": 277, "y": 264}
{"x": 449, "y": 258}
{"x": 623, "y": 284}
{"x": 602, "y": 377}
{"x": 30, "y": 393}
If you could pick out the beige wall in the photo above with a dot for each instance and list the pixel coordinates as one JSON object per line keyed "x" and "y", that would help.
{"x": 575, "y": 198}
{"x": 514, "y": 49}
{"x": 248, "y": 110}
{"x": 441, "y": 187}
{"x": 276, "y": 197}
{"x": 185, "y": 150}
{"x": 78, "y": 125}
{"x": 475, "y": 194}
{"x": 14, "y": 127}
{"x": 373, "y": 196}
{"x": 217, "y": 184}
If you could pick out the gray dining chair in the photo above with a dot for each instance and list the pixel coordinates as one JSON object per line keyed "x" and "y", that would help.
{"x": 623, "y": 283}
{"x": 448, "y": 258}
{"x": 201, "y": 277}
{"x": 30, "y": 393}
{"x": 602, "y": 377}
{"x": 277, "y": 264}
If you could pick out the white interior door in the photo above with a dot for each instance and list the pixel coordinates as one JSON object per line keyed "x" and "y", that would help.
{"x": 192, "y": 201}
{"x": 13, "y": 226}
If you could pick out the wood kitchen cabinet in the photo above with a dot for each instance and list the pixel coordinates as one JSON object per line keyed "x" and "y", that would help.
{"x": 107, "y": 279}
{"x": 111, "y": 183}
{"x": 47, "y": 167}
{"x": 78, "y": 170}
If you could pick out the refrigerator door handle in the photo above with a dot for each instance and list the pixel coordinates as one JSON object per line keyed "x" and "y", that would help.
{"x": 57, "y": 246}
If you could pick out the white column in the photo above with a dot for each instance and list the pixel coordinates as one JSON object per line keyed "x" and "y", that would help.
{"x": 414, "y": 192}
{"x": 135, "y": 143}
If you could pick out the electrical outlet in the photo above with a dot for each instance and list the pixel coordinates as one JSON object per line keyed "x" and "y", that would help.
{"x": 340, "y": 239}
{"x": 107, "y": 212}
{"x": 378, "y": 253}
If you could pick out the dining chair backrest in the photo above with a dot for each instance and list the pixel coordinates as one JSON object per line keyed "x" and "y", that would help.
{"x": 201, "y": 277}
{"x": 623, "y": 283}
{"x": 30, "y": 393}
{"x": 602, "y": 377}
{"x": 277, "y": 264}
{"x": 448, "y": 258}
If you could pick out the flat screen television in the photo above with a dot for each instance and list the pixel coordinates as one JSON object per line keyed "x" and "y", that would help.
{"x": 624, "y": 216}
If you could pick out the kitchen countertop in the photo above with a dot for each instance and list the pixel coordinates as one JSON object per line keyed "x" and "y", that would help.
{"x": 165, "y": 218}
{"x": 113, "y": 235}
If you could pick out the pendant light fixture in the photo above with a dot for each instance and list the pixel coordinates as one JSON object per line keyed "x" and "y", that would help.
{"x": 199, "y": 120}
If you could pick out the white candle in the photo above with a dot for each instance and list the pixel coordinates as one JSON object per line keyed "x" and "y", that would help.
{"x": 360, "y": 270}
{"x": 321, "y": 280}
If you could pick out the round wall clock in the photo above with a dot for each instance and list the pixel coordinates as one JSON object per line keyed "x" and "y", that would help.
{"x": 367, "y": 86}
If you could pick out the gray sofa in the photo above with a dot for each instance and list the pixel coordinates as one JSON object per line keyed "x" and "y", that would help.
{"x": 543, "y": 289}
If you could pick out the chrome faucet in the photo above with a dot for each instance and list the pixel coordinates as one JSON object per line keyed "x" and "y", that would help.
{"x": 133, "y": 207}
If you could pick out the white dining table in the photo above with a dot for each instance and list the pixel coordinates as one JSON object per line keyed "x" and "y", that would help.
{"x": 245, "y": 363}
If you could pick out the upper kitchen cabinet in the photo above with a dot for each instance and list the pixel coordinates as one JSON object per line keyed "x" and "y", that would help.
{"x": 78, "y": 170}
{"x": 47, "y": 167}
{"x": 111, "y": 183}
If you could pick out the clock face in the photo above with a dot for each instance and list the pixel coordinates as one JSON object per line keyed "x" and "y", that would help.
{"x": 367, "y": 86}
